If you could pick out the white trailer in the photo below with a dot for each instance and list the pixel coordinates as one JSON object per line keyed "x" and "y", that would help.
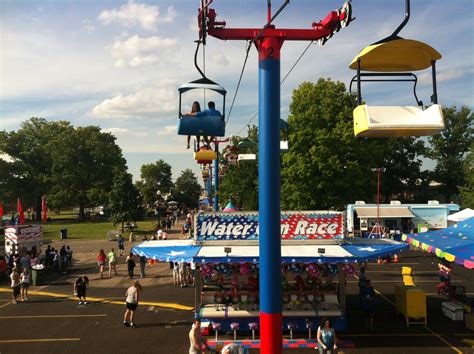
{"x": 23, "y": 238}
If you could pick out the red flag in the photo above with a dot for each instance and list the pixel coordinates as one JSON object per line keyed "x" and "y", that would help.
{"x": 19, "y": 210}
{"x": 1, "y": 213}
{"x": 44, "y": 210}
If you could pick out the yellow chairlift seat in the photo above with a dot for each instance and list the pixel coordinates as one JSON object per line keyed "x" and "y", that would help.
{"x": 397, "y": 121}
{"x": 205, "y": 155}
{"x": 396, "y": 55}
{"x": 247, "y": 157}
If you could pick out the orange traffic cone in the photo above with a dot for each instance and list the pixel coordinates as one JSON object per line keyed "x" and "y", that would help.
{"x": 395, "y": 258}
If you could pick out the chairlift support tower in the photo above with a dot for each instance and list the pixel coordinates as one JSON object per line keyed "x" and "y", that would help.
{"x": 268, "y": 42}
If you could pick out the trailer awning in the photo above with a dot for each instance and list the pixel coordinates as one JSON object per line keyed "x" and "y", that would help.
{"x": 385, "y": 212}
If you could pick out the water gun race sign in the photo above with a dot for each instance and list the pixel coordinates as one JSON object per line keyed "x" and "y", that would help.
{"x": 309, "y": 225}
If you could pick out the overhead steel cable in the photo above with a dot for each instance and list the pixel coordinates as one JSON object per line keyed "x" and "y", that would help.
{"x": 248, "y": 50}
{"x": 281, "y": 82}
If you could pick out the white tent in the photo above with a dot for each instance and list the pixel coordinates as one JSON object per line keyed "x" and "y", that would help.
{"x": 461, "y": 215}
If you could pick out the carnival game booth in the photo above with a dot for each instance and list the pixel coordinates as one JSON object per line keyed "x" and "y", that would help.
{"x": 315, "y": 261}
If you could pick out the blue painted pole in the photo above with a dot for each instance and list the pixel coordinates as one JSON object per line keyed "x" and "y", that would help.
{"x": 216, "y": 180}
{"x": 269, "y": 195}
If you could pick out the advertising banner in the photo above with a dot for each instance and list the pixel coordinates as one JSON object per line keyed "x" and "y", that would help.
{"x": 305, "y": 225}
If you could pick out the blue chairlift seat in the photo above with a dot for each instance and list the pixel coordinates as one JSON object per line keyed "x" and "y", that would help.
{"x": 205, "y": 125}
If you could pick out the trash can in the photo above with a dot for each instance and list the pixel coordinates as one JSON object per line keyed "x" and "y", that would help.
{"x": 63, "y": 233}
{"x": 37, "y": 277}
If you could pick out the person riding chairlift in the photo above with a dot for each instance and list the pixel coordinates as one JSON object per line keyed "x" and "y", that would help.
{"x": 196, "y": 112}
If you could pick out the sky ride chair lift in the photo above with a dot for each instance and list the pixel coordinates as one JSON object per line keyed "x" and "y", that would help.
{"x": 208, "y": 125}
{"x": 393, "y": 59}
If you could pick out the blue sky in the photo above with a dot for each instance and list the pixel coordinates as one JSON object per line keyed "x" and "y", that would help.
{"x": 117, "y": 64}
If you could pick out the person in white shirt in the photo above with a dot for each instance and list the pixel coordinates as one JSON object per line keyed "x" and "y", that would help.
{"x": 133, "y": 297}
{"x": 25, "y": 284}
{"x": 15, "y": 285}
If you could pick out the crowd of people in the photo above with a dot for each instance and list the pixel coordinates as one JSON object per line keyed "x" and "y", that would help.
{"x": 183, "y": 273}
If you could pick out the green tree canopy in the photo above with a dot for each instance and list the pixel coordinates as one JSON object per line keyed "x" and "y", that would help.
{"x": 326, "y": 166}
{"x": 155, "y": 177}
{"x": 449, "y": 149}
{"x": 26, "y": 171}
{"x": 125, "y": 202}
{"x": 240, "y": 183}
{"x": 186, "y": 189}
{"x": 85, "y": 162}
{"x": 467, "y": 190}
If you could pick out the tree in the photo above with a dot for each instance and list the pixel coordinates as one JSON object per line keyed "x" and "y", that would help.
{"x": 449, "y": 149}
{"x": 85, "y": 161}
{"x": 125, "y": 201}
{"x": 467, "y": 190}
{"x": 27, "y": 170}
{"x": 240, "y": 183}
{"x": 155, "y": 181}
{"x": 402, "y": 162}
{"x": 187, "y": 190}
{"x": 327, "y": 167}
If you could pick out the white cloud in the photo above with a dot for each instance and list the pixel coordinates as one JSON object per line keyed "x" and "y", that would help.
{"x": 168, "y": 130}
{"x": 134, "y": 13}
{"x": 154, "y": 102}
{"x": 445, "y": 75}
{"x": 124, "y": 132}
{"x": 139, "y": 51}
{"x": 220, "y": 59}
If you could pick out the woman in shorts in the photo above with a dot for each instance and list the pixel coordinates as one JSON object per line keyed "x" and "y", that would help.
{"x": 25, "y": 284}
{"x": 101, "y": 260}
{"x": 133, "y": 296}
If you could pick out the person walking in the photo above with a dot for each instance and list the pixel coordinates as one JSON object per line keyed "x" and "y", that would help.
{"x": 132, "y": 299}
{"x": 69, "y": 256}
{"x": 121, "y": 244}
{"x": 25, "y": 284}
{"x": 326, "y": 337}
{"x": 112, "y": 262}
{"x": 80, "y": 289}
{"x": 15, "y": 284}
{"x": 101, "y": 259}
{"x": 130, "y": 264}
{"x": 196, "y": 341}
{"x": 368, "y": 302}
{"x": 142, "y": 266}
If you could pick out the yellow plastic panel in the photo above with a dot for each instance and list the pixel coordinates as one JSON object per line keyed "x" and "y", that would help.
{"x": 408, "y": 280}
{"x": 396, "y": 55}
{"x": 406, "y": 271}
{"x": 205, "y": 155}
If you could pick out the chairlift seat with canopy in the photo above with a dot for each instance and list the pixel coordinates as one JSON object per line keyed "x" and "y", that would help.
{"x": 388, "y": 60}
{"x": 205, "y": 125}
{"x": 206, "y": 155}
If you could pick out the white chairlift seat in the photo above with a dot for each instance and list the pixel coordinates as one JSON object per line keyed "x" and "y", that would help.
{"x": 397, "y": 121}
{"x": 284, "y": 145}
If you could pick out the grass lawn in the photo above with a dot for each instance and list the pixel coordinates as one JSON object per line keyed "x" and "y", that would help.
{"x": 92, "y": 230}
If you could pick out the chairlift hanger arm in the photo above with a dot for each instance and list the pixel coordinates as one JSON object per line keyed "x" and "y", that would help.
{"x": 391, "y": 77}
{"x": 319, "y": 30}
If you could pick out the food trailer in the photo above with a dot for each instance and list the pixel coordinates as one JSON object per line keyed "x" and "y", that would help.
{"x": 23, "y": 238}
{"x": 315, "y": 261}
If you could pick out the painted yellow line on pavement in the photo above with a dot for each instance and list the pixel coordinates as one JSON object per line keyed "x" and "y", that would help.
{"x": 5, "y": 305}
{"x": 49, "y": 316}
{"x": 39, "y": 340}
{"x": 444, "y": 340}
{"x": 105, "y": 300}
